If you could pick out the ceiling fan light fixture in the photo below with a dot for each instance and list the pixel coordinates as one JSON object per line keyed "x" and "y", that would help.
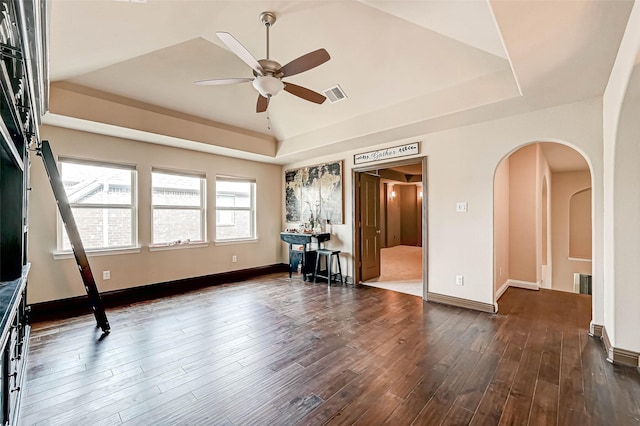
{"x": 267, "y": 85}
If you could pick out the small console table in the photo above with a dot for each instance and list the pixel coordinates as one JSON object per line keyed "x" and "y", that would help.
{"x": 307, "y": 257}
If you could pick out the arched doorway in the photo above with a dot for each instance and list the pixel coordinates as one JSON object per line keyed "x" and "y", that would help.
{"x": 538, "y": 222}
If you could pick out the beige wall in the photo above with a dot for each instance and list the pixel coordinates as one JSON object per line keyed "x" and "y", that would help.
{"x": 565, "y": 185}
{"x": 51, "y": 279}
{"x": 462, "y": 243}
{"x": 543, "y": 174}
{"x": 525, "y": 177}
{"x": 501, "y": 224}
{"x": 580, "y": 225}
{"x": 522, "y": 214}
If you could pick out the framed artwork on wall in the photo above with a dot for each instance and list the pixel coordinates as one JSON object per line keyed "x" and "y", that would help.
{"x": 314, "y": 193}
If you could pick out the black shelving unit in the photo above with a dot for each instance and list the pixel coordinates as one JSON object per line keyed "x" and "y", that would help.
{"x": 22, "y": 79}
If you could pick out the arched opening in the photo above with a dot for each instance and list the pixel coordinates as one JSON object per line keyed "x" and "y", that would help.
{"x": 542, "y": 215}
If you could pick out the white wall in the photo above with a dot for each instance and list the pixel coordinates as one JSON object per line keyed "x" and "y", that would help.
{"x": 621, "y": 313}
{"x": 461, "y": 167}
{"x": 51, "y": 279}
{"x": 626, "y": 312}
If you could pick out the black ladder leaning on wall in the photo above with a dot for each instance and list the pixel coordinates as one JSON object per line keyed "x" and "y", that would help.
{"x": 44, "y": 151}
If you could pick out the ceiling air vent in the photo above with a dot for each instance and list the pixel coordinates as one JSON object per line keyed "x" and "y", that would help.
{"x": 335, "y": 94}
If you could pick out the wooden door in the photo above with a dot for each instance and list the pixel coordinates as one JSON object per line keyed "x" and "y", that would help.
{"x": 369, "y": 226}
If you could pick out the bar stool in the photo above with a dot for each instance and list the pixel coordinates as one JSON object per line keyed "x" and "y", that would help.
{"x": 328, "y": 259}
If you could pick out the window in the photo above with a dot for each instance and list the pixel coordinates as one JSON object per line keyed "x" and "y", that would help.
{"x": 235, "y": 209}
{"x": 178, "y": 202}
{"x": 103, "y": 200}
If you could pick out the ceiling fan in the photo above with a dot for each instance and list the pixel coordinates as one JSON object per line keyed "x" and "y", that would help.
{"x": 268, "y": 74}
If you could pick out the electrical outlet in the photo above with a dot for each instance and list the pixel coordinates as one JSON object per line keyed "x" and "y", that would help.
{"x": 460, "y": 279}
{"x": 461, "y": 207}
{"x": 234, "y": 259}
{"x": 106, "y": 275}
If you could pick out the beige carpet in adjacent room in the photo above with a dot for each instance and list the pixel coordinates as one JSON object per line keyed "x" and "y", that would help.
{"x": 400, "y": 270}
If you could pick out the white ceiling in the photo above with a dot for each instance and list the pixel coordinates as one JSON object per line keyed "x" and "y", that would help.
{"x": 402, "y": 64}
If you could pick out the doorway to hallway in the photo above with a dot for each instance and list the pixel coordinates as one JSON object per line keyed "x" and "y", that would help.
{"x": 390, "y": 232}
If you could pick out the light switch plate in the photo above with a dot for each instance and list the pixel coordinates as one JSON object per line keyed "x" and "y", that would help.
{"x": 461, "y": 207}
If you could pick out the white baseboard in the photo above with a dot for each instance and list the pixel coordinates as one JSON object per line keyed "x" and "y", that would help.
{"x": 524, "y": 284}
{"x": 502, "y": 289}
{"x": 618, "y": 355}
{"x": 513, "y": 283}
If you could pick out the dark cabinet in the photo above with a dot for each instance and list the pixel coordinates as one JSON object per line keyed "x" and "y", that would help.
{"x": 305, "y": 256}
{"x": 22, "y": 103}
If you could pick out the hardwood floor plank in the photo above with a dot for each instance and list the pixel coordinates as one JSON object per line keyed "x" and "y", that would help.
{"x": 550, "y": 362}
{"x": 336, "y": 403}
{"x": 518, "y": 406}
{"x": 285, "y": 352}
{"x": 571, "y": 392}
{"x": 457, "y": 416}
{"x": 492, "y": 404}
{"x": 379, "y": 411}
{"x": 438, "y": 406}
{"x": 544, "y": 408}
{"x": 411, "y": 406}
{"x": 477, "y": 382}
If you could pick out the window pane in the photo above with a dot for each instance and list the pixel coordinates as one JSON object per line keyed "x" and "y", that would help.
{"x": 233, "y": 194}
{"x": 224, "y": 218}
{"x": 101, "y": 228}
{"x": 240, "y": 228}
{"x": 90, "y": 184}
{"x": 225, "y": 201}
{"x": 176, "y": 225}
{"x": 174, "y": 190}
{"x": 235, "y": 209}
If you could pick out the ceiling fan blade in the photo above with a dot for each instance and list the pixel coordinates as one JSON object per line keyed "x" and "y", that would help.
{"x": 305, "y": 62}
{"x": 240, "y": 51}
{"x": 304, "y": 93}
{"x": 262, "y": 104}
{"x": 221, "y": 81}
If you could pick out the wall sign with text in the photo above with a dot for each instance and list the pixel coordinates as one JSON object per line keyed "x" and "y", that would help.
{"x": 387, "y": 153}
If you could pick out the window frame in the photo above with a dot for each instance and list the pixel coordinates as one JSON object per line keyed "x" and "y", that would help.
{"x": 62, "y": 252}
{"x": 202, "y": 207}
{"x": 252, "y": 208}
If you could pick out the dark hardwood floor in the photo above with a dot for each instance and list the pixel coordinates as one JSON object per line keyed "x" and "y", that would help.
{"x": 271, "y": 351}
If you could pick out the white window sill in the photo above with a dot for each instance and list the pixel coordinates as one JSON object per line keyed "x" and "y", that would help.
{"x": 229, "y": 242}
{"x": 161, "y": 247}
{"x": 59, "y": 255}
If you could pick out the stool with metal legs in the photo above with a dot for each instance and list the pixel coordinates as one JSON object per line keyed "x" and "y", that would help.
{"x": 328, "y": 273}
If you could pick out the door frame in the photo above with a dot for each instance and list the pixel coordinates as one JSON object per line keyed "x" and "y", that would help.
{"x": 355, "y": 199}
